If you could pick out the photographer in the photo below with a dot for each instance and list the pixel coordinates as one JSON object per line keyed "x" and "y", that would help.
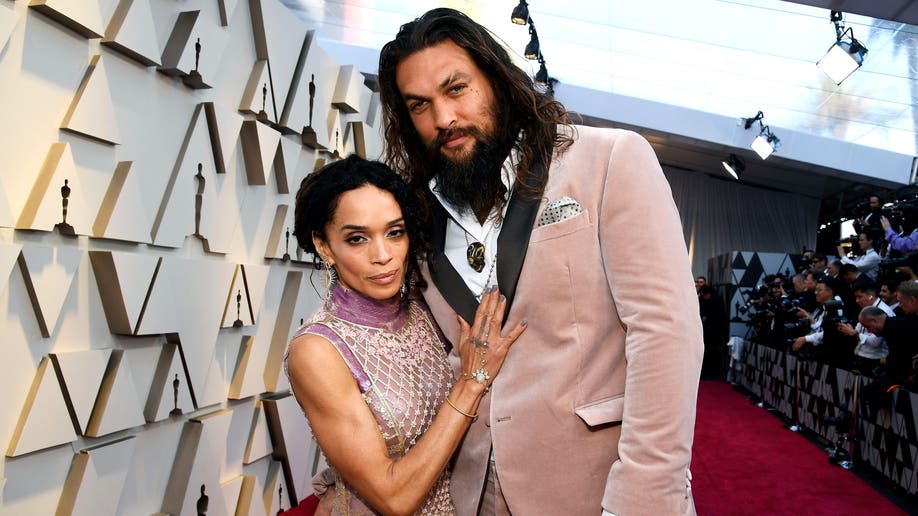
{"x": 905, "y": 244}
{"x": 889, "y": 294}
{"x": 899, "y": 333}
{"x": 869, "y": 262}
{"x": 870, "y": 349}
{"x": 824, "y": 341}
{"x": 868, "y": 214}
{"x": 805, "y": 298}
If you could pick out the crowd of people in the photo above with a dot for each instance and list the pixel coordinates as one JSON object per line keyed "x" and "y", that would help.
{"x": 857, "y": 310}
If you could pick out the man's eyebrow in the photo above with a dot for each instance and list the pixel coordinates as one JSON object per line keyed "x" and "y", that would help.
{"x": 456, "y": 75}
{"x": 453, "y": 77}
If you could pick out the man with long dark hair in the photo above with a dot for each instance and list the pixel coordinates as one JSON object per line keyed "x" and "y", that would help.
{"x": 595, "y": 407}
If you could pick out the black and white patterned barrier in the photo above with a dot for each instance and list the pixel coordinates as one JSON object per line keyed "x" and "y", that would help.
{"x": 806, "y": 392}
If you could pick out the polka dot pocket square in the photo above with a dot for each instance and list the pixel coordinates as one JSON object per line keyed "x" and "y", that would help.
{"x": 560, "y": 209}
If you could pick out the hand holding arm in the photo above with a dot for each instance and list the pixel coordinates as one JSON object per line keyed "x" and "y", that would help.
{"x": 346, "y": 429}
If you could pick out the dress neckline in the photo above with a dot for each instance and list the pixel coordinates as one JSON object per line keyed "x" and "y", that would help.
{"x": 353, "y": 307}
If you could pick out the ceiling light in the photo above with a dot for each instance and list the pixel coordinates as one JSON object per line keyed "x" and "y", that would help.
{"x": 541, "y": 77}
{"x": 520, "y": 13}
{"x": 532, "y": 49}
{"x": 765, "y": 143}
{"x": 734, "y": 165}
{"x": 844, "y": 56}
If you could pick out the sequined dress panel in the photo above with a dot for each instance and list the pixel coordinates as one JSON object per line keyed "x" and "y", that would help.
{"x": 397, "y": 357}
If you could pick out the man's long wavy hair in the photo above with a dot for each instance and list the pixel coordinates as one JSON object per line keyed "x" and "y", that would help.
{"x": 526, "y": 112}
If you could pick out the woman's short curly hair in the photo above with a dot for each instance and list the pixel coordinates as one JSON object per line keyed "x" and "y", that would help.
{"x": 319, "y": 194}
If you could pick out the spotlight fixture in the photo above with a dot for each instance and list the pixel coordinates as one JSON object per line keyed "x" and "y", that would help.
{"x": 765, "y": 143}
{"x": 845, "y": 55}
{"x": 532, "y": 49}
{"x": 541, "y": 77}
{"x": 734, "y": 165}
{"x": 520, "y": 13}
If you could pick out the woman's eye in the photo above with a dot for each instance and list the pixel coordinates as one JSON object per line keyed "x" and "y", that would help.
{"x": 355, "y": 239}
{"x": 396, "y": 232}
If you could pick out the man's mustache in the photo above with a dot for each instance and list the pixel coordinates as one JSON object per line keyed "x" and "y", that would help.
{"x": 446, "y": 135}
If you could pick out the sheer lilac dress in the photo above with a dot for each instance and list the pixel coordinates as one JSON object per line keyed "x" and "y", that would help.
{"x": 397, "y": 357}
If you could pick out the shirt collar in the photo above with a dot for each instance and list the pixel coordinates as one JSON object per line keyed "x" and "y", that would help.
{"x": 507, "y": 177}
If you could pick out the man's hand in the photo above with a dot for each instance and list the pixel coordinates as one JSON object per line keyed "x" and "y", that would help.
{"x": 846, "y": 329}
{"x": 798, "y": 343}
{"x": 841, "y": 252}
{"x": 885, "y": 223}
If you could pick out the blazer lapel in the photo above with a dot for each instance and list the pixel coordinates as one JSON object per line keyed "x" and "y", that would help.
{"x": 444, "y": 275}
{"x": 513, "y": 241}
{"x": 512, "y": 245}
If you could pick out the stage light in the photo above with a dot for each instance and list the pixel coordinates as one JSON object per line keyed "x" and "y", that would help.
{"x": 765, "y": 143}
{"x": 734, "y": 165}
{"x": 520, "y": 13}
{"x": 844, "y": 56}
{"x": 532, "y": 49}
{"x": 541, "y": 77}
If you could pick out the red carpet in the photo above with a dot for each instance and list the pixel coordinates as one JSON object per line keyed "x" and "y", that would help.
{"x": 744, "y": 462}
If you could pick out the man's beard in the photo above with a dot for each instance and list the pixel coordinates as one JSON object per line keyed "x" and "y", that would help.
{"x": 472, "y": 182}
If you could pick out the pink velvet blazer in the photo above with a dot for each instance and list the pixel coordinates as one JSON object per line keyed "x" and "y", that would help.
{"x": 595, "y": 405}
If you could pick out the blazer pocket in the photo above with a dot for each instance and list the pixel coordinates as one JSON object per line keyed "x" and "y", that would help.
{"x": 604, "y": 411}
{"x": 561, "y": 228}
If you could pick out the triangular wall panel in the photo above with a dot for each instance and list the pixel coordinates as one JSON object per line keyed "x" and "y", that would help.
{"x": 123, "y": 280}
{"x": 8, "y": 20}
{"x": 43, "y": 208}
{"x": 257, "y": 96}
{"x": 259, "y": 145}
{"x": 123, "y": 214}
{"x": 117, "y": 406}
{"x": 81, "y": 16}
{"x": 96, "y": 479}
{"x": 176, "y": 217}
{"x": 241, "y": 362}
{"x": 259, "y": 444}
{"x": 92, "y": 112}
{"x": 82, "y": 372}
{"x": 132, "y": 33}
{"x": 289, "y": 431}
{"x": 44, "y": 421}
{"x": 196, "y": 471}
{"x": 169, "y": 388}
{"x": 9, "y": 255}
{"x": 48, "y": 273}
{"x": 312, "y": 94}
{"x": 278, "y": 39}
{"x": 188, "y": 298}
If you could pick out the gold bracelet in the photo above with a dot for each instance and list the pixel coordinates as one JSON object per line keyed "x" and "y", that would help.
{"x": 473, "y": 417}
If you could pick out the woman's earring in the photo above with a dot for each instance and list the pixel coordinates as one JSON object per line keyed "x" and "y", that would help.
{"x": 330, "y": 278}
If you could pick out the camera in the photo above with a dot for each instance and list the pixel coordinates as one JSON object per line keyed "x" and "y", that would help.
{"x": 834, "y": 313}
{"x": 753, "y": 297}
{"x": 853, "y": 240}
{"x": 908, "y": 260}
